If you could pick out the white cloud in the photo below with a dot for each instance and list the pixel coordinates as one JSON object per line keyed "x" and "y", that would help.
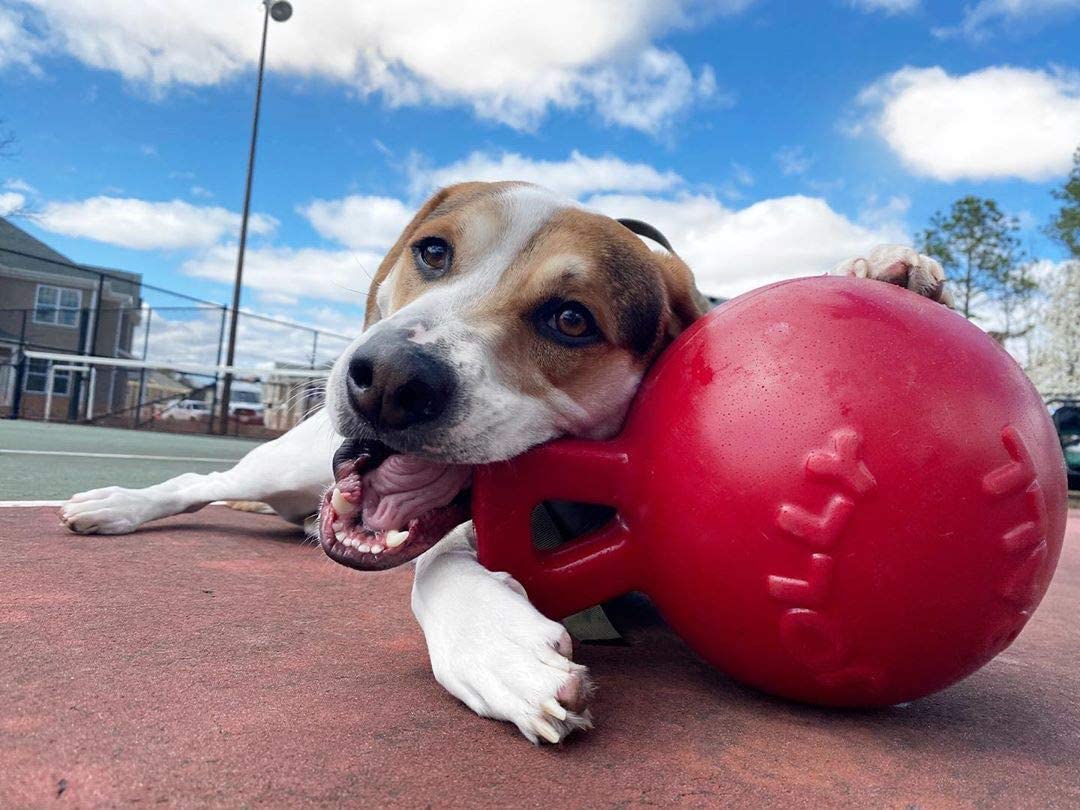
{"x": 981, "y": 17}
{"x": 792, "y": 160}
{"x": 16, "y": 48}
{"x": 335, "y": 275}
{"x": 573, "y": 177}
{"x": 510, "y": 63}
{"x": 887, "y": 6}
{"x": 178, "y": 337}
{"x": 18, "y": 184}
{"x": 10, "y": 202}
{"x": 993, "y": 123}
{"x": 733, "y": 251}
{"x": 146, "y": 225}
{"x": 358, "y": 221}
{"x": 730, "y": 250}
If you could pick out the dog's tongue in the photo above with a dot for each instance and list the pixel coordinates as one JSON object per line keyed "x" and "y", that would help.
{"x": 404, "y": 487}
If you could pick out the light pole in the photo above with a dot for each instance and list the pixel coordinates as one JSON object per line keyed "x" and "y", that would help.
{"x": 280, "y": 10}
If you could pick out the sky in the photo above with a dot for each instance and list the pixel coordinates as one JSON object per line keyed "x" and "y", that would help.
{"x": 765, "y": 139}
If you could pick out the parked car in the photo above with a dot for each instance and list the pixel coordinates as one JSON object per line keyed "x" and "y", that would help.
{"x": 246, "y": 415}
{"x": 187, "y": 410}
{"x": 1066, "y": 416}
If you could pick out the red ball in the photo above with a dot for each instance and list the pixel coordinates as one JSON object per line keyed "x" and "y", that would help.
{"x": 832, "y": 489}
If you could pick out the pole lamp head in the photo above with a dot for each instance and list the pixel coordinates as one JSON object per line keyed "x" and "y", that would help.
{"x": 280, "y": 10}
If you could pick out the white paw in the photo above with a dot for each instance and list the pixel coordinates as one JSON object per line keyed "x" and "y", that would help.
{"x": 495, "y": 652}
{"x": 112, "y": 510}
{"x": 523, "y": 675}
{"x": 897, "y": 264}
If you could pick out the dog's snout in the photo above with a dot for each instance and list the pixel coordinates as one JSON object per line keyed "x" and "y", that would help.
{"x": 398, "y": 387}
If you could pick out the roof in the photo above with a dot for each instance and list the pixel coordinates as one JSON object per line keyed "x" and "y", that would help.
{"x": 14, "y": 238}
{"x": 22, "y": 251}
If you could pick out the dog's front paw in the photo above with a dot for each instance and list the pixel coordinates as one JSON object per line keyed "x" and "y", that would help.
{"x": 902, "y": 266}
{"x": 496, "y": 653}
{"x": 111, "y": 510}
{"x": 525, "y": 679}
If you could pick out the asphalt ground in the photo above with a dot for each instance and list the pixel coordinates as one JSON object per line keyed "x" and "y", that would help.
{"x": 216, "y": 660}
{"x": 40, "y": 461}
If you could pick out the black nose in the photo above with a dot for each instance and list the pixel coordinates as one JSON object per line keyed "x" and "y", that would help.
{"x": 398, "y": 386}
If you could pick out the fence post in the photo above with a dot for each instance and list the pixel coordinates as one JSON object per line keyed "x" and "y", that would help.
{"x": 20, "y": 370}
{"x": 213, "y": 404}
{"x": 142, "y": 371}
{"x": 75, "y": 386}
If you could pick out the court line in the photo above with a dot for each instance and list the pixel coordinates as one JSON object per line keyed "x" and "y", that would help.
{"x": 29, "y": 504}
{"x": 116, "y": 455}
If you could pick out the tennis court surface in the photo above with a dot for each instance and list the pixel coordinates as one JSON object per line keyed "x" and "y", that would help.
{"x": 41, "y": 461}
{"x": 216, "y": 659}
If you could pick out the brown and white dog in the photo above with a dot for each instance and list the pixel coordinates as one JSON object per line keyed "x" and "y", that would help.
{"x": 502, "y": 317}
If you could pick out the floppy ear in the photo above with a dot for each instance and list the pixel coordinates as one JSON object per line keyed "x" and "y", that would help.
{"x": 372, "y": 313}
{"x": 685, "y": 302}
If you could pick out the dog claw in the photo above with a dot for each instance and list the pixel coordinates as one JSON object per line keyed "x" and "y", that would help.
{"x": 553, "y": 708}
{"x": 546, "y": 730}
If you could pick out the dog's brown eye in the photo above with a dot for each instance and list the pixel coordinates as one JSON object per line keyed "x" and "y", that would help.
{"x": 432, "y": 256}
{"x": 568, "y": 322}
{"x": 572, "y": 322}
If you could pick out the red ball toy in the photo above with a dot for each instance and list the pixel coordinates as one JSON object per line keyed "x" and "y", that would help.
{"x": 832, "y": 489}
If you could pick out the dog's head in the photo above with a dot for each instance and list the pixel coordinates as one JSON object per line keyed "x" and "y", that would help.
{"x": 501, "y": 318}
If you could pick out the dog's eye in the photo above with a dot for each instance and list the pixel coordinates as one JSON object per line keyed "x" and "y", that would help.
{"x": 432, "y": 256}
{"x": 568, "y": 322}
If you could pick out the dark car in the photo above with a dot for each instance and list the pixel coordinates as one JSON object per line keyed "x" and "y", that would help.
{"x": 1066, "y": 416}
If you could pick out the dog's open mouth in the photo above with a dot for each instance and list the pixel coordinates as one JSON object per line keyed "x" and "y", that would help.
{"x": 386, "y": 508}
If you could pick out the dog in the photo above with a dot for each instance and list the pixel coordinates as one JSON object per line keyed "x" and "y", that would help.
{"x": 502, "y": 317}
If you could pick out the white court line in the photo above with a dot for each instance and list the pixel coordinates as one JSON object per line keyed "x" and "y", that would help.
{"x": 115, "y": 455}
{"x": 28, "y": 504}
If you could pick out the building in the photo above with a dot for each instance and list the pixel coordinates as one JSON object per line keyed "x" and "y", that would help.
{"x": 288, "y": 400}
{"x": 50, "y": 304}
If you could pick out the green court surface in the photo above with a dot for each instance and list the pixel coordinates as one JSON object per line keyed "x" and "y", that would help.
{"x": 52, "y": 461}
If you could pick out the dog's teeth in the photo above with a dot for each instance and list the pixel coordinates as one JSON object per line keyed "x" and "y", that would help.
{"x": 337, "y": 526}
{"x": 395, "y": 538}
{"x": 340, "y": 537}
{"x": 363, "y": 548}
{"x": 341, "y": 506}
{"x": 376, "y": 549}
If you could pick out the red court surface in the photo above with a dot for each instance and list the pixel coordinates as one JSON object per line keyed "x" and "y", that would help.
{"x": 215, "y": 660}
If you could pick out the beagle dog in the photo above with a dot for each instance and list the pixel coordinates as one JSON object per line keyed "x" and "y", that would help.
{"x": 502, "y": 317}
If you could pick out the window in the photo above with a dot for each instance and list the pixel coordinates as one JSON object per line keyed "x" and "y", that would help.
{"x": 57, "y": 305}
{"x": 37, "y": 375}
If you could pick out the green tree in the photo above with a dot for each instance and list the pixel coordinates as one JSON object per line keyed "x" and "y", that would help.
{"x": 978, "y": 246}
{"x": 1056, "y": 366}
{"x": 1065, "y": 227}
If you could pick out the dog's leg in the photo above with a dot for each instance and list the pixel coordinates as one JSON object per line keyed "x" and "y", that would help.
{"x": 903, "y": 266}
{"x": 290, "y": 474}
{"x": 493, "y": 650}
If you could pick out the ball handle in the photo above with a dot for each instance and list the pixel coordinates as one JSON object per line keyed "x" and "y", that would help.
{"x": 595, "y": 567}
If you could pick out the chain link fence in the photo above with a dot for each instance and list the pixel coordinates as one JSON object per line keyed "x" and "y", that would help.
{"x": 104, "y": 347}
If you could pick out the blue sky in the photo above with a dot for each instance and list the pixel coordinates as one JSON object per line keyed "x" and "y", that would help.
{"x": 766, "y": 139}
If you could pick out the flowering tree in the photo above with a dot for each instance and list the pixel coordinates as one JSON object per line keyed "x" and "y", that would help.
{"x": 1055, "y": 361}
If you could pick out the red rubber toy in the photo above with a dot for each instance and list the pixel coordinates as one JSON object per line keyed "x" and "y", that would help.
{"x": 833, "y": 490}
